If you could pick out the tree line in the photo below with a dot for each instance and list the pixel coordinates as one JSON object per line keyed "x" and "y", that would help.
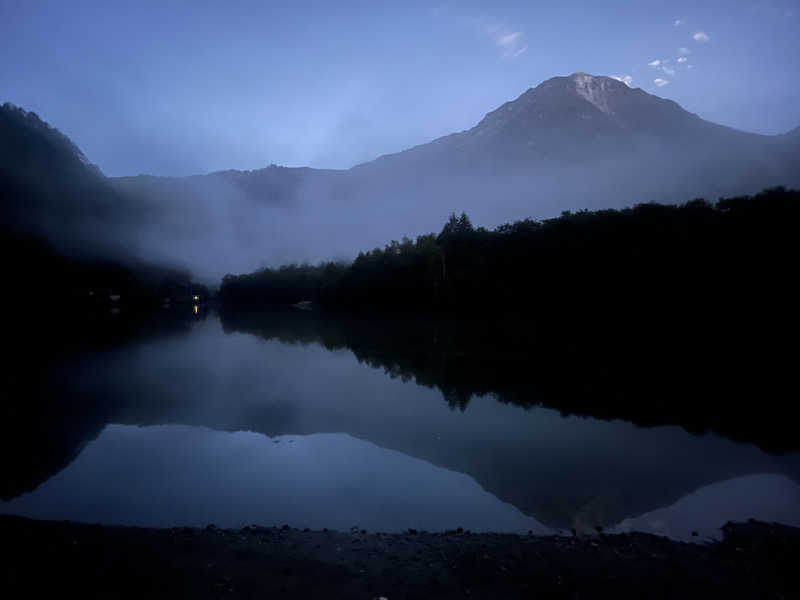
{"x": 735, "y": 385}
{"x": 697, "y": 256}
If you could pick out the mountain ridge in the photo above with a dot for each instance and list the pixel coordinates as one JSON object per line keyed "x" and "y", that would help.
{"x": 576, "y": 96}
{"x": 603, "y": 80}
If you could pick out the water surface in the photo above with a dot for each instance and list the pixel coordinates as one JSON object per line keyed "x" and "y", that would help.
{"x": 212, "y": 424}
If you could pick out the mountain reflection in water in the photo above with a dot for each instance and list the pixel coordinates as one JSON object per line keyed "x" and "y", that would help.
{"x": 177, "y": 475}
{"x": 392, "y": 454}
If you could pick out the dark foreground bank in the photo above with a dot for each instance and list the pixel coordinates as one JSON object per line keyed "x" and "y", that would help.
{"x": 755, "y": 560}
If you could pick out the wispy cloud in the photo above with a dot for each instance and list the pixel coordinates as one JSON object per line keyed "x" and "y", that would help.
{"x": 701, "y": 36}
{"x": 512, "y": 43}
{"x": 668, "y": 65}
{"x": 678, "y": 22}
{"x": 662, "y": 65}
{"x": 508, "y": 39}
{"x": 626, "y": 79}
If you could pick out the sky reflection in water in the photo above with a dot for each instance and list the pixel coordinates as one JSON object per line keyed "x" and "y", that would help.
{"x": 241, "y": 430}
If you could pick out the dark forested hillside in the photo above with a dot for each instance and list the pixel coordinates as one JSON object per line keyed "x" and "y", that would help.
{"x": 64, "y": 231}
{"x": 697, "y": 256}
{"x": 49, "y": 189}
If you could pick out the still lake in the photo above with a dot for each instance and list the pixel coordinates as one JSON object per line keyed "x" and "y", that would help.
{"x": 208, "y": 423}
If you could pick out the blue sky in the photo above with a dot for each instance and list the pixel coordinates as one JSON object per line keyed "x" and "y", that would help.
{"x": 180, "y": 87}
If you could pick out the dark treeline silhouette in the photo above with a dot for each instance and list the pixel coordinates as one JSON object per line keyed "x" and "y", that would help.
{"x": 41, "y": 278}
{"x": 696, "y": 257}
{"x": 654, "y": 314}
{"x": 704, "y": 384}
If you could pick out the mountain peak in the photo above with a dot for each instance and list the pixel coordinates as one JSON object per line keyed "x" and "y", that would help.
{"x": 599, "y": 90}
{"x": 576, "y": 118}
{"x": 576, "y": 98}
{"x": 596, "y": 89}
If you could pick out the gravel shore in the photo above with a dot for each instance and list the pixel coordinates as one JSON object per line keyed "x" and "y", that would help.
{"x": 46, "y": 559}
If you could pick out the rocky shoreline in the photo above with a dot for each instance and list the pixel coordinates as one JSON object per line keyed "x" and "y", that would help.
{"x": 91, "y": 561}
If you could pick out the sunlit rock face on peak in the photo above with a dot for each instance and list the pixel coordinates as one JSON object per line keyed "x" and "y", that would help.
{"x": 596, "y": 90}
{"x": 569, "y": 96}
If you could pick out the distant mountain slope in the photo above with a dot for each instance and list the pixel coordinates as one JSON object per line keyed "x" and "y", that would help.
{"x": 273, "y": 185}
{"x": 581, "y": 120}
